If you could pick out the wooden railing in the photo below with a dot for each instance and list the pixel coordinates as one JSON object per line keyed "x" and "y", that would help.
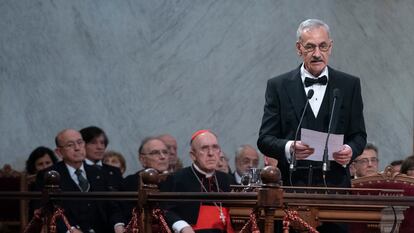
{"x": 314, "y": 205}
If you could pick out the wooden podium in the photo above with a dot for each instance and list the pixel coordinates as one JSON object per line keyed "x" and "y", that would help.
{"x": 375, "y": 209}
{"x": 389, "y": 179}
{"x": 382, "y": 207}
{"x": 378, "y": 203}
{"x": 315, "y": 207}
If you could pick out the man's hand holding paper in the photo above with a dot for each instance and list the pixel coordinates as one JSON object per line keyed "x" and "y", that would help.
{"x": 343, "y": 156}
{"x": 315, "y": 139}
{"x": 302, "y": 150}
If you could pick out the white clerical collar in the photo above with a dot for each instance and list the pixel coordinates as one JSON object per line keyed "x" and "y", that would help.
{"x": 90, "y": 162}
{"x": 208, "y": 175}
{"x": 304, "y": 73}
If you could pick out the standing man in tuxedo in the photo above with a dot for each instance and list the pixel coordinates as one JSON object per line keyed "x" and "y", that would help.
{"x": 286, "y": 97}
{"x": 285, "y": 100}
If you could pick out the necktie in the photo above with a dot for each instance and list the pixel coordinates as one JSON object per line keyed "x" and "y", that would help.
{"x": 310, "y": 81}
{"x": 83, "y": 183}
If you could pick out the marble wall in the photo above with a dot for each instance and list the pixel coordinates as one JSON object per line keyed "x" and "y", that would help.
{"x": 144, "y": 67}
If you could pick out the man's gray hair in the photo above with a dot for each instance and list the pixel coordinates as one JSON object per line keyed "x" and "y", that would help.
{"x": 310, "y": 24}
{"x": 241, "y": 148}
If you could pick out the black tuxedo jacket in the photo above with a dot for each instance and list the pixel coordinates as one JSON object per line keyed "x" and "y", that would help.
{"x": 285, "y": 100}
{"x": 88, "y": 214}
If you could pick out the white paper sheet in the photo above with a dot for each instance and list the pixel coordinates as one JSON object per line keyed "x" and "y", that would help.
{"x": 316, "y": 140}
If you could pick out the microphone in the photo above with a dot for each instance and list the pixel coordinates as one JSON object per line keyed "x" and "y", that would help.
{"x": 292, "y": 164}
{"x": 326, "y": 163}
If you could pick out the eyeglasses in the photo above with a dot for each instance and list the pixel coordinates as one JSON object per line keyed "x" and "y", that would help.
{"x": 323, "y": 47}
{"x": 251, "y": 162}
{"x": 157, "y": 153}
{"x": 366, "y": 161}
{"x": 72, "y": 144}
{"x": 214, "y": 149}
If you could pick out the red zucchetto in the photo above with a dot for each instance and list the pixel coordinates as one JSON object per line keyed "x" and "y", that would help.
{"x": 198, "y": 132}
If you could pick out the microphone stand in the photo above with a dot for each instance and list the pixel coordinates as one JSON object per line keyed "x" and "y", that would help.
{"x": 292, "y": 164}
{"x": 326, "y": 166}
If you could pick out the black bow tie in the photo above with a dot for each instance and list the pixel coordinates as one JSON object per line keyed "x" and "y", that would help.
{"x": 310, "y": 81}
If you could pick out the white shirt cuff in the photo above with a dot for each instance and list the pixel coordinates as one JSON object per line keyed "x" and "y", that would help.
{"x": 119, "y": 224}
{"x": 287, "y": 150}
{"x": 179, "y": 225}
{"x": 71, "y": 228}
{"x": 346, "y": 145}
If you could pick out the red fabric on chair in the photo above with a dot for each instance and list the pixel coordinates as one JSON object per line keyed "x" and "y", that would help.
{"x": 386, "y": 180}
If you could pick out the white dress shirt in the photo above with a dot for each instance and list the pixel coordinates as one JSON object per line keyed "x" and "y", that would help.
{"x": 315, "y": 102}
{"x": 73, "y": 175}
{"x": 92, "y": 163}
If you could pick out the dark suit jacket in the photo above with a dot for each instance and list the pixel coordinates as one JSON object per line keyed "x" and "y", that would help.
{"x": 88, "y": 214}
{"x": 233, "y": 180}
{"x": 285, "y": 100}
{"x": 112, "y": 176}
{"x": 131, "y": 183}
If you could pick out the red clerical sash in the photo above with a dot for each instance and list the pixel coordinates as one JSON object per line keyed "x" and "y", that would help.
{"x": 209, "y": 218}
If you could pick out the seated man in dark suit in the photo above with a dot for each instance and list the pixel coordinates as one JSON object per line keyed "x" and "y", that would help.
{"x": 96, "y": 143}
{"x": 246, "y": 158}
{"x": 171, "y": 143}
{"x": 152, "y": 153}
{"x": 88, "y": 215}
{"x": 366, "y": 164}
{"x": 201, "y": 176}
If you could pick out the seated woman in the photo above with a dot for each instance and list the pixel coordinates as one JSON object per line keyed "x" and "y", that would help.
{"x": 40, "y": 158}
{"x": 407, "y": 167}
{"x": 115, "y": 159}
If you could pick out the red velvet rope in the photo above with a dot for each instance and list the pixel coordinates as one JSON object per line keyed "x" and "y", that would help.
{"x": 292, "y": 215}
{"x": 58, "y": 213}
{"x": 133, "y": 225}
{"x": 159, "y": 215}
{"x": 247, "y": 225}
{"x": 286, "y": 224}
{"x": 252, "y": 224}
{"x": 36, "y": 223}
{"x": 253, "y": 219}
